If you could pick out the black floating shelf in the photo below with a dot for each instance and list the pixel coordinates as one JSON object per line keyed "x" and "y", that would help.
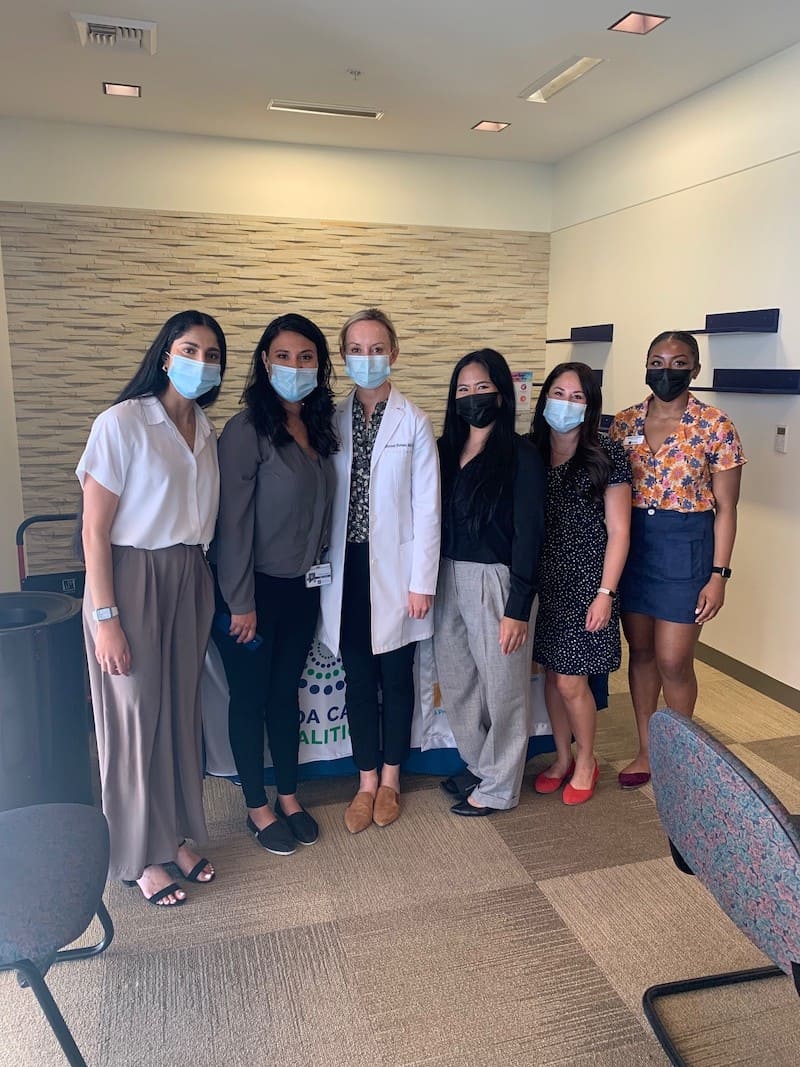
{"x": 585, "y": 335}
{"x": 763, "y": 321}
{"x": 776, "y": 382}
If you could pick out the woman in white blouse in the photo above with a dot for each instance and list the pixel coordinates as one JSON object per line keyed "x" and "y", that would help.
{"x": 150, "y": 494}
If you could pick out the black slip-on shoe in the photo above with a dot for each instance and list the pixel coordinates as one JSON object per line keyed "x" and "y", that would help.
{"x": 304, "y": 827}
{"x": 275, "y": 838}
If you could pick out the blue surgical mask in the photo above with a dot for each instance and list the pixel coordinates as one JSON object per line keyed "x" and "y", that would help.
{"x": 563, "y": 415}
{"x": 368, "y": 372}
{"x": 191, "y": 377}
{"x": 292, "y": 383}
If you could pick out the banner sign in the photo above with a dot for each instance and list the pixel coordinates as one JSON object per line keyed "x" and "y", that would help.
{"x": 324, "y": 734}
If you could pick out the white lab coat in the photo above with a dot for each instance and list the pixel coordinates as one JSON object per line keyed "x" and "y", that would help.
{"x": 404, "y": 524}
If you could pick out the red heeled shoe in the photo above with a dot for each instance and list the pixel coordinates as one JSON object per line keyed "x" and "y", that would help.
{"x": 573, "y": 796}
{"x": 543, "y": 784}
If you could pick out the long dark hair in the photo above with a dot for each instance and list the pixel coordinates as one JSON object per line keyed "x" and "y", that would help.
{"x": 151, "y": 379}
{"x": 492, "y": 471}
{"x": 590, "y": 454}
{"x": 266, "y": 411}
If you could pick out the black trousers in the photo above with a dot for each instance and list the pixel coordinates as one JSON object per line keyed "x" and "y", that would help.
{"x": 263, "y": 683}
{"x": 391, "y": 672}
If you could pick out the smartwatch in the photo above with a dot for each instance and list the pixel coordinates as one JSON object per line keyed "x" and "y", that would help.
{"x": 725, "y": 572}
{"x": 104, "y": 614}
{"x": 608, "y": 592}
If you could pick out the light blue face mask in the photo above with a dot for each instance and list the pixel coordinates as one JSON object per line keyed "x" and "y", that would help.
{"x": 292, "y": 384}
{"x": 368, "y": 372}
{"x": 191, "y": 377}
{"x": 563, "y": 415}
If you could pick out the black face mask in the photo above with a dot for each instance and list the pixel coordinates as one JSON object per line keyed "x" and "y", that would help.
{"x": 667, "y": 384}
{"x": 478, "y": 409}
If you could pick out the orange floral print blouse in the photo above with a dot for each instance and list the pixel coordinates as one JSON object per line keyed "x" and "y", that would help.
{"x": 678, "y": 476}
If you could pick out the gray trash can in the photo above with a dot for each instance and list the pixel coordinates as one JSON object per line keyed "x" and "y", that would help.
{"x": 44, "y": 716}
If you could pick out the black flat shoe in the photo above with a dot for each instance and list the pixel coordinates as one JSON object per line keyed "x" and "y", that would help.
{"x": 460, "y": 785}
{"x": 275, "y": 838}
{"x": 465, "y": 808}
{"x": 303, "y": 826}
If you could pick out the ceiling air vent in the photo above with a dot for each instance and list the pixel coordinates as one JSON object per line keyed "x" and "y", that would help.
{"x": 107, "y": 31}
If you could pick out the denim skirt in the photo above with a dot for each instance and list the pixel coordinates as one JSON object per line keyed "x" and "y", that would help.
{"x": 669, "y": 562}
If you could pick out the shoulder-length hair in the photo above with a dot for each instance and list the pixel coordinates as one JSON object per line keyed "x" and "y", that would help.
{"x": 590, "y": 454}
{"x": 265, "y": 408}
{"x": 151, "y": 379}
{"x": 491, "y": 472}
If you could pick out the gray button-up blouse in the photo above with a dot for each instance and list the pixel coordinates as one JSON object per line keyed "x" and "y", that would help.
{"x": 274, "y": 514}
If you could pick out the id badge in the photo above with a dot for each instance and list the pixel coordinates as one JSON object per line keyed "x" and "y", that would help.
{"x": 319, "y": 574}
{"x": 635, "y": 439}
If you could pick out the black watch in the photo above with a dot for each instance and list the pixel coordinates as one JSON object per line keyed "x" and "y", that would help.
{"x": 726, "y": 572}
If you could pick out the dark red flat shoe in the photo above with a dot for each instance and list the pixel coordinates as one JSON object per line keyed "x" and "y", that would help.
{"x": 633, "y": 779}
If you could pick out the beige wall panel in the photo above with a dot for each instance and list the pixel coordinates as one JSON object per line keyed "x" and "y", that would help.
{"x": 88, "y": 288}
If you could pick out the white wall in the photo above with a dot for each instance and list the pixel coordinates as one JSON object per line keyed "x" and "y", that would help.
{"x": 745, "y": 121}
{"x": 698, "y": 210}
{"x": 59, "y": 163}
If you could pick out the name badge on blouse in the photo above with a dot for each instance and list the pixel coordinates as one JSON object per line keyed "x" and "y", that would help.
{"x": 635, "y": 439}
{"x": 319, "y": 574}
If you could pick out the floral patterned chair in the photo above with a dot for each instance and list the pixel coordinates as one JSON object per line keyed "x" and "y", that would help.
{"x": 53, "y": 867}
{"x": 727, "y": 828}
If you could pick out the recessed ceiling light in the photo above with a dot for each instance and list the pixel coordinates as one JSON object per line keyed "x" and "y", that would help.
{"x": 116, "y": 89}
{"x": 486, "y": 126}
{"x": 298, "y": 107}
{"x": 540, "y": 91}
{"x": 638, "y": 22}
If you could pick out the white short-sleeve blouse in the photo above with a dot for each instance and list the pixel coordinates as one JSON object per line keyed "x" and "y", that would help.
{"x": 168, "y": 495}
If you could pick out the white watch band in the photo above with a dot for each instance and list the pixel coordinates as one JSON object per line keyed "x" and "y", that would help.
{"x": 104, "y": 614}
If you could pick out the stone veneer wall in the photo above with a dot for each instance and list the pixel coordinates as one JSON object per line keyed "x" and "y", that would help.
{"x": 88, "y": 288}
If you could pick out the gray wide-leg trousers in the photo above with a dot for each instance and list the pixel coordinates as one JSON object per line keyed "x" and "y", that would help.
{"x": 486, "y": 694}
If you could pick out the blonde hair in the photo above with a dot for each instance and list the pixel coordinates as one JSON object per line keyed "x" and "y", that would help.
{"x": 369, "y": 315}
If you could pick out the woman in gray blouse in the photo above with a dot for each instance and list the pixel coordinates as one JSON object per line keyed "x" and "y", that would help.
{"x": 276, "y": 488}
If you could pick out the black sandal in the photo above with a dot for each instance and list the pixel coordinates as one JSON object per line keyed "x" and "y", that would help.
{"x": 173, "y": 887}
{"x": 196, "y": 871}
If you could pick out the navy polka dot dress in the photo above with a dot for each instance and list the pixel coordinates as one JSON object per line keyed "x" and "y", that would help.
{"x": 570, "y": 571}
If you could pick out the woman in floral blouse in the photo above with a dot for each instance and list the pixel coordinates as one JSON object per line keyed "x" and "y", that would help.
{"x": 687, "y": 461}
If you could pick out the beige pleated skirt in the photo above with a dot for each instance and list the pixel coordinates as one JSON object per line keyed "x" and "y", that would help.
{"x": 148, "y": 724}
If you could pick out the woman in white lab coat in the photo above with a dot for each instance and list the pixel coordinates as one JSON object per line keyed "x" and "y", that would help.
{"x": 384, "y": 556}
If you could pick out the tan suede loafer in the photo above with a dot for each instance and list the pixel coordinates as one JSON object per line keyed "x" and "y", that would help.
{"x": 358, "y": 813}
{"x": 387, "y": 806}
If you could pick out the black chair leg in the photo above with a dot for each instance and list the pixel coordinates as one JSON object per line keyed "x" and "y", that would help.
{"x": 678, "y": 859}
{"x": 688, "y": 985}
{"x": 59, "y": 1027}
{"x": 91, "y": 950}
